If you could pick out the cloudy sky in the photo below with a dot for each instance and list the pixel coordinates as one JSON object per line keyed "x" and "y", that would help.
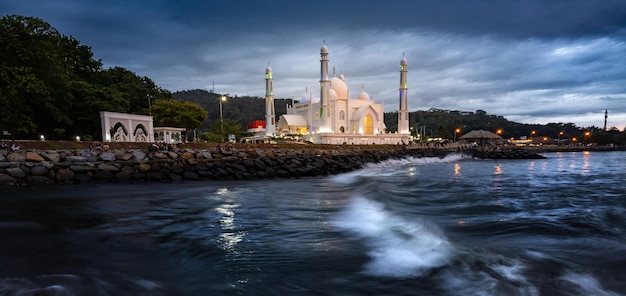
{"x": 531, "y": 61}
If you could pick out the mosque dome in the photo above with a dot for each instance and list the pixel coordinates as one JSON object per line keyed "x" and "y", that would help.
{"x": 363, "y": 96}
{"x": 332, "y": 95}
{"x": 268, "y": 69}
{"x": 340, "y": 88}
{"x": 324, "y": 49}
{"x": 341, "y": 77}
{"x": 404, "y": 61}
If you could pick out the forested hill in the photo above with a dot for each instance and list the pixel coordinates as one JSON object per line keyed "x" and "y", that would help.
{"x": 241, "y": 110}
{"x": 432, "y": 122}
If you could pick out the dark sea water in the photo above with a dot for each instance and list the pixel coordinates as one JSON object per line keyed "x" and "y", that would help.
{"x": 429, "y": 226}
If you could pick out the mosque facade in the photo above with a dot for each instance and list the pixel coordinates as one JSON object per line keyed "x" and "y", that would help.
{"x": 336, "y": 118}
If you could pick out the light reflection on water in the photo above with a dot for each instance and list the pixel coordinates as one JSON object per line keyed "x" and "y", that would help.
{"x": 229, "y": 238}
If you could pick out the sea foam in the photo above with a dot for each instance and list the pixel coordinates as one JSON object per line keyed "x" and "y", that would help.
{"x": 398, "y": 247}
{"x": 385, "y": 168}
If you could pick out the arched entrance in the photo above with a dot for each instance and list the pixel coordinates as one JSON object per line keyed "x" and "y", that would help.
{"x": 368, "y": 125}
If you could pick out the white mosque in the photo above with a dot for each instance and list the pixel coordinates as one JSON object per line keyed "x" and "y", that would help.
{"x": 336, "y": 118}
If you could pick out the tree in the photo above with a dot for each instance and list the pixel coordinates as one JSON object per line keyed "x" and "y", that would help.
{"x": 218, "y": 132}
{"x": 17, "y": 85}
{"x": 38, "y": 67}
{"x": 177, "y": 113}
{"x": 32, "y": 74}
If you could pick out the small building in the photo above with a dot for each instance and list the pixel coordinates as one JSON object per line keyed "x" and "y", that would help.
{"x": 124, "y": 127}
{"x": 257, "y": 126}
{"x": 168, "y": 135}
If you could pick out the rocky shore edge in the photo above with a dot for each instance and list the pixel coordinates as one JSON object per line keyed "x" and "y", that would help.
{"x": 80, "y": 166}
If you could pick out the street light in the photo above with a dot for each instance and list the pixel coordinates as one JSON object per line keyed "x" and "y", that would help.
{"x": 149, "y": 104}
{"x": 458, "y": 130}
{"x": 222, "y": 99}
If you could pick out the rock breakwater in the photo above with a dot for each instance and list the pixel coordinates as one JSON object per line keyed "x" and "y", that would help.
{"x": 136, "y": 165}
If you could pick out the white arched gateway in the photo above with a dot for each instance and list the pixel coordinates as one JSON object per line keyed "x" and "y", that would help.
{"x": 124, "y": 127}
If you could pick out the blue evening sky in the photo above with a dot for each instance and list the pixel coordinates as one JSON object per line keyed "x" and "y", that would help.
{"x": 532, "y": 61}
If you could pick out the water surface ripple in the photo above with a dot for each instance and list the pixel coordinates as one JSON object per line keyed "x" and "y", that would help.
{"x": 452, "y": 226}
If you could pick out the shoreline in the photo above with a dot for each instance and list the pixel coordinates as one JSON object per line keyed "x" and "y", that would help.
{"x": 242, "y": 162}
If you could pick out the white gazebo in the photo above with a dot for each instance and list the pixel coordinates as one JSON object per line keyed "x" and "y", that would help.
{"x": 168, "y": 135}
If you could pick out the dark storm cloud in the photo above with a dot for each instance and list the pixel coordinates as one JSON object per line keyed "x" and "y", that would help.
{"x": 530, "y": 61}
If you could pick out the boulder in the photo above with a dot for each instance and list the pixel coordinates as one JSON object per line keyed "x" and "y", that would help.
{"x": 7, "y": 180}
{"x": 53, "y": 156}
{"x": 16, "y": 157}
{"x": 73, "y": 158}
{"x": 108, "y": 167}
{"x": 138, "y": 155}
{"x": 65, "y": 174}
{"x": 127, "y": 169}
{"x": 144, "y": 167}
{"x": 124, "y": 177}
{"x": 125, "y": 156}
{"x": 33, "y": 157}
{"x": 159, "y": 155}
{"x": 81, "y": 168}
{"x": 39, "y": 171}
{"x": 16, "y": 172}
{"x": 107, "y": 156}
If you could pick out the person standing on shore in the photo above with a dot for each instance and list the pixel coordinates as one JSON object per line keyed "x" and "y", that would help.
{"x": 15, "y": 146}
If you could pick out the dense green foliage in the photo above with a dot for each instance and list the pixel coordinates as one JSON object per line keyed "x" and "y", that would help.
{"x": 50, "y": 84}
{"x": 177, "y": 113}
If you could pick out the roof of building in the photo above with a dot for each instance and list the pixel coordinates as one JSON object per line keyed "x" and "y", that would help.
{"x": 293, "y": 120}
{"x": 259, "y": 123}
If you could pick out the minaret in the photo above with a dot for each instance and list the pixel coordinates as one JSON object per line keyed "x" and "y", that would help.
{"x": 270, "y": 114}
{"x": 324, "y": 91}
{"x": 606, "y": 116}
{"x": 403, "y": 112}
